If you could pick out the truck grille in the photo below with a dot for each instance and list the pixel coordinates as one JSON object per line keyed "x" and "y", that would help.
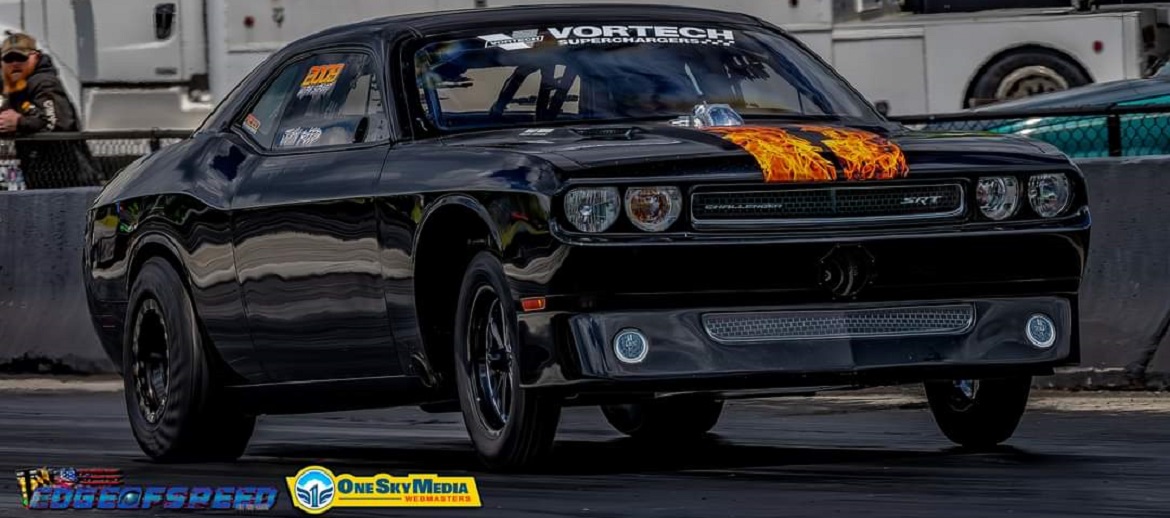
{"x": 853, "y": 323}
{"x": 826, "y": 205}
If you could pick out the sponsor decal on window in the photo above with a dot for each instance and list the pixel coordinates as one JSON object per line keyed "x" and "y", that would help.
{"x": 251, "y": 123}
{"x": 320, "y": 80}
{"x": 297, "y": 137}
{"x": 601, "y": 34}
{"x": 524, "y": 39}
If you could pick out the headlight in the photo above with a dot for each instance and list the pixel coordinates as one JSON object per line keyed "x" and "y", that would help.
{"x": 1049, "y": 194}
{"x": 653, "y": 209}
{"x": 592, "y": 209}
{"x": 998, "y": 197}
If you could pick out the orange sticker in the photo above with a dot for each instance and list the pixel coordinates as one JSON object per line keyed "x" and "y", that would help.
{"x": 807, "y": 154}
{"x": 323, "y": 74}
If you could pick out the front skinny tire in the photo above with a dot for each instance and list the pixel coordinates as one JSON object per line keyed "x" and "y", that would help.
{"x": 511, "y": 428}
{"x": 978, "y": 413}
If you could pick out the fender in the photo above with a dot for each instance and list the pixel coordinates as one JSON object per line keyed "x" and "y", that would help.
{"x": 465, "y": 202}
{"x": 156, "y": 237}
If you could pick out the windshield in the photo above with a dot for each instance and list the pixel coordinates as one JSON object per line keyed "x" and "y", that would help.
{"x": 614, "y": 72}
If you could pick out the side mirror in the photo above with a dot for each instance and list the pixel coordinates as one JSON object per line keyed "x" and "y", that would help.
{"x": 883, "y": 107}
{"x": 164, "y": 20}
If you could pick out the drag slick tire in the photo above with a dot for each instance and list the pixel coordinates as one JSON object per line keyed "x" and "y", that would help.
{"x": 678, "y": 418}
{"x": 511, "y": 428}
{"x": 979, "y": 413}
{"x": 177, "y": 411}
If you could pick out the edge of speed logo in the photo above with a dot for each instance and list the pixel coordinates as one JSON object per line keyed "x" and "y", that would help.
{"x": 316, "y": 489}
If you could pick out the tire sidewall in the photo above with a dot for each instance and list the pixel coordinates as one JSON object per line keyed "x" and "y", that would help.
{"x": 157, "y": 280}
{"x": 485, "y": 268}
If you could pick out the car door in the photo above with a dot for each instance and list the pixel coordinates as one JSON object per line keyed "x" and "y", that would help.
{"x": 305, "y": 224}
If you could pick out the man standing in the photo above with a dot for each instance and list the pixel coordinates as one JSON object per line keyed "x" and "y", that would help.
{"x": 35, "y": 101}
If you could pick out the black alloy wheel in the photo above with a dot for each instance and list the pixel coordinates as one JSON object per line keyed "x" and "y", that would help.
{"x": 490, "y": 351}
{"x": 150, "y": 361}
{"x": 510, "y": 427}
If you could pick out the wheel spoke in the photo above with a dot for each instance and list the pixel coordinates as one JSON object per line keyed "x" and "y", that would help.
{"x": 503, "y": 330}
{"x": 495, "y": 325}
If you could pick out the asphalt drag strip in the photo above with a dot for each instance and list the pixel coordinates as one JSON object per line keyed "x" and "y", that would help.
{"x": 873, "y": 453}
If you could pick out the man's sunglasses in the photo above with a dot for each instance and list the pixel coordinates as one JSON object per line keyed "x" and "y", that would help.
{"x": 13, "y": 57}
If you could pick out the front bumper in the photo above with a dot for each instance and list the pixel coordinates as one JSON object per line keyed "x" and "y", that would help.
{"x": 683, "y": 354}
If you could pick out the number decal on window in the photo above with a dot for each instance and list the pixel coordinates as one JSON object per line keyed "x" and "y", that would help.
{"x": 323, "y": 74}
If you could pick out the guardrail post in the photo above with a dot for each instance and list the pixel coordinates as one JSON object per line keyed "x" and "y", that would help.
{"x": 1113, "y": 127}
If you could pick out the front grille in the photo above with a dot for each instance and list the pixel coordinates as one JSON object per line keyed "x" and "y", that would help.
{"x": 828, "y": 204}
{"x": 854, "y": 323}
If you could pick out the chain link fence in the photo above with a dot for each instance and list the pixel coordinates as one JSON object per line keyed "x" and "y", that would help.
{"x": 92, "y": 158}
{"x": 1090, "y": 132}
{"x": 80, "y": 159}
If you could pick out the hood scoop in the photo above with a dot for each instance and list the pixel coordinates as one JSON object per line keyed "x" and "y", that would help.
{"x": 618, "y": 133}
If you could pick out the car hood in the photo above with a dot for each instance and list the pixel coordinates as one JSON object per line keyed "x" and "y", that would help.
{"x": 783, "y": 152}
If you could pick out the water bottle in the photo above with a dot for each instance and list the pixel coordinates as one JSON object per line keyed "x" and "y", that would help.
{"x": 15, "y": 178}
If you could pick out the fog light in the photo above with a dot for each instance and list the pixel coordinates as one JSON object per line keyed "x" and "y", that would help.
{"x": 1041, "y": 331}
{"x": 630, "y": 346}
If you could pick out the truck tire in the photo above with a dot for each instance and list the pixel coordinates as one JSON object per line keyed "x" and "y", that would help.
{"x": 675, "y": 419}
{"x": 511, "y": 428}
{"x": 177, "y": 409}
{"x": 984, "y": 414}
{"x": 1025, "y": 73}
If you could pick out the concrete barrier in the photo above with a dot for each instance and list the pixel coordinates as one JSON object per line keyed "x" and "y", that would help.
{"x": 1125, "y": 303}
{"x": 44, "y": 321}
{"x": 1125, "y": 309}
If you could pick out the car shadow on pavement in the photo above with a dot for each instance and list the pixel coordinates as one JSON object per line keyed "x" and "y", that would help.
{"x": 626, "y": 456}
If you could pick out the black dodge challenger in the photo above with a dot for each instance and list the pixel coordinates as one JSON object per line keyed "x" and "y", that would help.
{"x": 504, "y": 212}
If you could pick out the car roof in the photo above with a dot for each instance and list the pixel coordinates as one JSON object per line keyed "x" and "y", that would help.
{"x": 430, "y": 23}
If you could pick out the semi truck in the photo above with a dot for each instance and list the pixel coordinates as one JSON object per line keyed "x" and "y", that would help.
{"x": 133, "y": 64}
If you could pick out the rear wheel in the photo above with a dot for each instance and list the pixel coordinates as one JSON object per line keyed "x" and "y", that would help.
{"x": 979, "y": 413}
{"x": 510, "y": 427}
{"x": 177, "y": 410}
{"x": 668, "y": 419}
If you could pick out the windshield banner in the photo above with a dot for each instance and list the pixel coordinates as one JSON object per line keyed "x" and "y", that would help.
{"x": 595, "y": 35}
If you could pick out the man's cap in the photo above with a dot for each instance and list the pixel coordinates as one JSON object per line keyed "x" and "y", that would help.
{"x": 18, "y": 42}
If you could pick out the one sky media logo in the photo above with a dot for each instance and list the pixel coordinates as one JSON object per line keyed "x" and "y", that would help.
{"x": 104, "y": 489}
{"x": 315, "y": 490}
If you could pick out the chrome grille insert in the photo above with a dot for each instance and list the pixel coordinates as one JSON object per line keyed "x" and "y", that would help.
{"x": 829, "y": 324}
{"x": 826, "y": 205}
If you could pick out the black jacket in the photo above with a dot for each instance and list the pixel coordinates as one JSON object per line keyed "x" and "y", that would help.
{"x": 45, "y": 107}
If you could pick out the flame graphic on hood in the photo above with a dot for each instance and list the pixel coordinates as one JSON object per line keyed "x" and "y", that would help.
{"x": 788, "y": 156}
{"x": 784, "y": 157}
{"x": 863, "y": 155}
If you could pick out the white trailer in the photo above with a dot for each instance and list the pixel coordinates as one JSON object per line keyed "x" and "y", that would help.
{"x": 164, "y": 63}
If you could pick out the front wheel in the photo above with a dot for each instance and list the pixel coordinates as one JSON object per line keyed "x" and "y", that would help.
{"x": 978, "y": 413}
{"x": 510, "y": 427}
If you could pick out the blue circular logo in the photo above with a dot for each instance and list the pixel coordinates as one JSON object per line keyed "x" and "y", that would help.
{"x": 630, "y": 346}
{"x": 315, "y": 489}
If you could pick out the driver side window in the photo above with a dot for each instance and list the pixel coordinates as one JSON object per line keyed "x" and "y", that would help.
{"x": 328, "y": 99}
